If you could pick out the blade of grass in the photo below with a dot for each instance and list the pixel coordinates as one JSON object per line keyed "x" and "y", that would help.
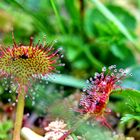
{"x": 58, "y": 16}
{"x": 95, "y": 62}
{"x": 110, "y": 16}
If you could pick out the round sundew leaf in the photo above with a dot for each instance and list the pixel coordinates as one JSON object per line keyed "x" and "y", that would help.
{"x": 25, "y": 63}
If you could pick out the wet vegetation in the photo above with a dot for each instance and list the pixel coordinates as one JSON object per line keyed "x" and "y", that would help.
{"x": 76, "y": 63}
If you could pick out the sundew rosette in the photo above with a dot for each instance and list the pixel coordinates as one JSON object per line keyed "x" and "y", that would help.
{"x": 96, "y": 95}
{"x": 24, "y": 64}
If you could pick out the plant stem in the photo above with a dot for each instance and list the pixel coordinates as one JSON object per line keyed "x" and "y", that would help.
{"x": 19, "y": 116}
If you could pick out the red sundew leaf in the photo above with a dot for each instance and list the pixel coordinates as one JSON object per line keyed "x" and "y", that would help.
{"x": 23, "y": 63}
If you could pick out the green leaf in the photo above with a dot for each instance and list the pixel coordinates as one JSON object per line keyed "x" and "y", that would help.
{"x": 129, "y": 117}
{"x": 4, "y": 128}
{"x": 7, "y": 125}
{"x": 128, "y": 60}
{"x": 3, "y": 136}
{"x": 77, "y": 42}
{"x": 80, "y": 83}
{"x": 124, "y": 16}
{"x": 117, "y": 52}
{"x": 122, "y": 98}
{"x": 67, "y": 81}
{"x": 74, "y": 137}
{"x": 73, "y": 12}
{"x": 111, "y": 17}
{"x": 57, "y": 14}
{"x": 108, "y": 35}
{"x": 95, "y": 19}
{"x": 126, "y": 93}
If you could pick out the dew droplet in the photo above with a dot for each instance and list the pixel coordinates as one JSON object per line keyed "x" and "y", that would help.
{"x": 114, "y": 66}
{"x": 96, "y": 75}
{"x": 103, "y": 83}
{"x": 60, "y": 49}
{"x": 9, "y": 100}
{"x": 6, "y": 88}
{"x": 104, "y": 69}
{"x": 118, "y": 76}
{"x": 115, "y": 70}
{"x": 33, "y": 103}
{"x": 131, "y": 74}
{"x": 62, "y": 56}
{"x": 13, "y": 104}
{"x": 84, "y": 89}
{"x": 112, "y": 74}
{"x": 55, "y": 41}
{"x": 119, "y": 81}
{"x": 91, "y": 79}
{"x": 121, "y": 70}
{"x": 110, "y": 67}
{"x": 10, "y": 91}
{"x": 28, "y": 114}
{"x": 62, "y": 64}
{"x": 31, "y": 90}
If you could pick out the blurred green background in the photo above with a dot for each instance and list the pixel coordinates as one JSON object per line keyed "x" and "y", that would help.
{"x": 82, "y": 27}
{"x": 92, "y": 34}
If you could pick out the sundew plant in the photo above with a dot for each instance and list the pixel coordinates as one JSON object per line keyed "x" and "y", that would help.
{"x": 25, "y": 63}
{"x": 69, "y": 70}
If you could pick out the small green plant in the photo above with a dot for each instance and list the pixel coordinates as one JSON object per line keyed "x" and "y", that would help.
{"x": 134, "y": 106}
{"x": 5, "y": 127}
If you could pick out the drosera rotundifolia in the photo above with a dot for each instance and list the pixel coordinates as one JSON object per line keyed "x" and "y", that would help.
{"x": 24, "y": 64}
{"x": 96, "y": 95}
